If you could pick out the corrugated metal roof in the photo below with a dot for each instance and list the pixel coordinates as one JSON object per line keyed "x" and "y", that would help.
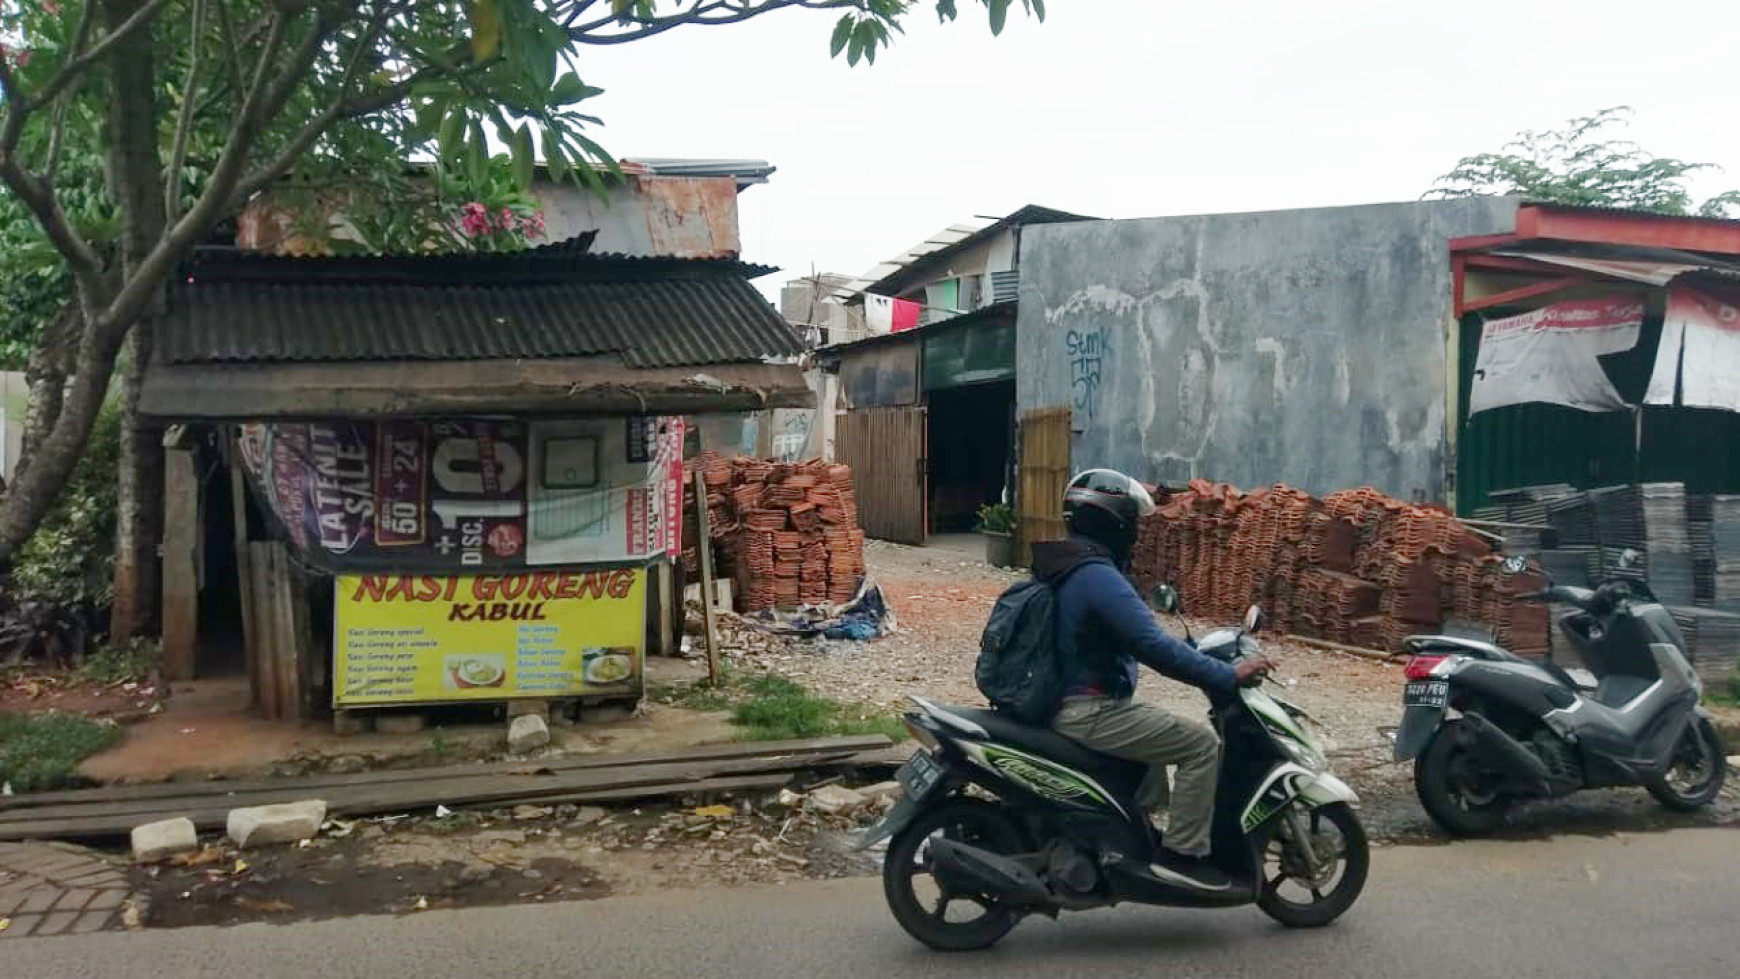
{"x": 651, "y": 312}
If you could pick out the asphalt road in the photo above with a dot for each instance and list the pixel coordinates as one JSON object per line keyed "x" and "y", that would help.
{"x": 1632, "y": 905}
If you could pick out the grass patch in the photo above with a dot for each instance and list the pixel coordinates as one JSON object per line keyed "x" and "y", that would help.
{"x": 768, "y": 707}
{"x": 43, "y": 751}
{"x": 776, "y": 709}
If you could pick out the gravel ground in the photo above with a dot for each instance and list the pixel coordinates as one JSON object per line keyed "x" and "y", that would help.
{"x": 941, "y": 599}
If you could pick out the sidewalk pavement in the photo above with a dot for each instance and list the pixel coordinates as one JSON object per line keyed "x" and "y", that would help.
{"x": 57, "y": 889}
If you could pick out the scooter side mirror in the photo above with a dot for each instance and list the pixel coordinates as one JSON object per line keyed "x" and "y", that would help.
{"x": 1165, "y": 599}
{"x": 1253, "y": 619}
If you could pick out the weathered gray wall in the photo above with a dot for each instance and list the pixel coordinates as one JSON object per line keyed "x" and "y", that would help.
{"x": 1304, "y": 347}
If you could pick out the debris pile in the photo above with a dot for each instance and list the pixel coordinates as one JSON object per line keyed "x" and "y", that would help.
{"x": 786, "y": 532}
{"x": 1356, "y": 567}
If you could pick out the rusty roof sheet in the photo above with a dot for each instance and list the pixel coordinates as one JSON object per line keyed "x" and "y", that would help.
{"x": 651, "y": 312}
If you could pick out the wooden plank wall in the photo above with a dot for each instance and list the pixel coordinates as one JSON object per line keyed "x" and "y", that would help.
{"x": 181, "y": 539}
{"x": 886, "y": 448}
{"x": 279, "y": 641}
{"x": 1044, "y": 461}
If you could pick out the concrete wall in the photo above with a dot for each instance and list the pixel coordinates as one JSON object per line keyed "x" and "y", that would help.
{"x": 1305, "y": 347}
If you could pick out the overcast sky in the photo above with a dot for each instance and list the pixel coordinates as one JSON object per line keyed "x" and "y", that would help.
{"x": 1136, "y": 108}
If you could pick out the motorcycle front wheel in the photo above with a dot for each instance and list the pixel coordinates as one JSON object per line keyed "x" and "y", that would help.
{"x": 1295, "y": 897}
{"x": 920, "y": 902}
{"x": 1700, "y": 767}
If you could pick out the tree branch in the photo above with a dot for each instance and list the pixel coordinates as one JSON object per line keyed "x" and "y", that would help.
{"x": 76, "y": 67}
{"x": 184, "y": 121}
{"x": 230, "y": 46}
{"x": 638, "y": 28}
{"x": 340, "y": 107}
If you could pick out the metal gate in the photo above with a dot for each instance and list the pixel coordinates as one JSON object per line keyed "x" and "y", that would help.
{"x": 887, "y": 450}
{"x": 1044, "y": 463}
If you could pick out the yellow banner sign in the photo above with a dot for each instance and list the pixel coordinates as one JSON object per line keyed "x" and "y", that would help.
{"x": 405, "y": 639}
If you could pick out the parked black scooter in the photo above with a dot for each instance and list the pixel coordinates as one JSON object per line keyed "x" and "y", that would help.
{"x": 1526, "y": 730}
{"x": 1001, "y": 820}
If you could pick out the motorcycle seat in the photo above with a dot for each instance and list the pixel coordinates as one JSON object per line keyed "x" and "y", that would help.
{"x": 1122, "y": 776}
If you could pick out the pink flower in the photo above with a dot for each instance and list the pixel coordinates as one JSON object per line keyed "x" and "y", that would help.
{"x": 506, "y": 220}
{"x": 474, "y": 220}
{"x": 532, "y": 225}
{"x": 24, "y": 58}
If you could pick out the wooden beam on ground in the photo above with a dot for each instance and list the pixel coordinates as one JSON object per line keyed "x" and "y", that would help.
{"x": 1335, "y": 647}
{"x": 798, "y": 753}
{"x": 705, "y": 533}
{"x": 211, "y": 811}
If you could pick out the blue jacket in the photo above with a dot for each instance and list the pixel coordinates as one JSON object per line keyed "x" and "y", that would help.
{"x": 1104, "y": 628}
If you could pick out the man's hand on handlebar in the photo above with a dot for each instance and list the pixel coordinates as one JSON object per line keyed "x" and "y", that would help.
{"x": 1250, "y": 672}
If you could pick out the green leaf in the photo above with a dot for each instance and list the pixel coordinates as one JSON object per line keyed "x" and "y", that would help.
{"x": 945, "y": 11}
{"x": 1038, "y": 9}
{"x": 451, "y": 133}
{"x": 567, "y": 90}
{"x": 524, "y": 160}
{"x": 842, "y": 34}
{"x": 554, "y": 156}
{"x": 477, "y": 154}
{"x": 855, "y": 49}
{"x": 999, "y": 15}
{"x": 485, "y": 21}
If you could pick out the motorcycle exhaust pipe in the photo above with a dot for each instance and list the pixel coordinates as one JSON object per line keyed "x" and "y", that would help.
{"x": 971, "y": 870}
{"x": 1524, "y": 768}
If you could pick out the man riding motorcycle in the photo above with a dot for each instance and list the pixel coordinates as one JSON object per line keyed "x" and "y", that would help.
{"x": 1104, "y": 630}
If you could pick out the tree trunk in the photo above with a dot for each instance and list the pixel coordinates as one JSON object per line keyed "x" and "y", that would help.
{"x": 46, "y": 377}
{"x": 139, "y": 499}
{"x": 135, "y": 176}
{"x": 37, "y": 487}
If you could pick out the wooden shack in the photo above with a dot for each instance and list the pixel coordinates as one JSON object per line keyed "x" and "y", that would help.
{"x": 401, "y": 481}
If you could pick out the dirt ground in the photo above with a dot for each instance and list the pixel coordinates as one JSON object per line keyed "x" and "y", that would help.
{"x": 125, "y": 702}
{"x": 403, "y": 865}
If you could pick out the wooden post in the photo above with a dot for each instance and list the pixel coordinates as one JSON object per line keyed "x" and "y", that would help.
{"x": 669, "y": 634}
{"x": 244, "y": 568}
{"x": 706, "y": 547}
{"x": 180, "y": 569}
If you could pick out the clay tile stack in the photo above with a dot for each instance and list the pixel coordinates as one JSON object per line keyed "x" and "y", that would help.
{"x": 788, "y": 532}
{"x": 1356, "y": 566}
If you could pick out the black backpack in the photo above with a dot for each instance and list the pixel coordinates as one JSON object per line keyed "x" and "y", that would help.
{"x": 1018, "y": 670}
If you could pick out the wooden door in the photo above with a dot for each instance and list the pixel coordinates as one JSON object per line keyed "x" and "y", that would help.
{"x": 1044, "y": 465}
{"x": 886, "y": 448}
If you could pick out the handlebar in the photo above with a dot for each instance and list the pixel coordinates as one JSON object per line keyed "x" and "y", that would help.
{"x": 1601, "y": 601}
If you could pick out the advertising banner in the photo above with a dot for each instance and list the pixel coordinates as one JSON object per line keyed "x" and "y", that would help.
{"x": 1552, "y": 355}
{"x": 410, "y": 639}
{"x": 471, "y": 494}
{"x": 1700, "y": 344}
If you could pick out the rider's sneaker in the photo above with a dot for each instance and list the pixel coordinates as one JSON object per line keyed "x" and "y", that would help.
{"x": 1195, "y": 873}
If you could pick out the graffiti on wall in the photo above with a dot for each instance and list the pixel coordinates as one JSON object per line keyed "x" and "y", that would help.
{"x": 1087, "y": 351}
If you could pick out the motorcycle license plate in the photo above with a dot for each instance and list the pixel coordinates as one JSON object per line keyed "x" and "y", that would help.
{"x": 919, "y": 776}
{"x": 1426, "y": 693}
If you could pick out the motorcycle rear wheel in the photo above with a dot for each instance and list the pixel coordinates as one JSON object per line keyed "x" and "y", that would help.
{"x": 1353, "y": 862}
{"x": 980, "y": 824}
{"x": 1701, "y": 752}
{"x": 1445, "y": 780}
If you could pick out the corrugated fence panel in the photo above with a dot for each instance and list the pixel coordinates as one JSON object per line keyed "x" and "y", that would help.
{"x": 1526, "y": 445}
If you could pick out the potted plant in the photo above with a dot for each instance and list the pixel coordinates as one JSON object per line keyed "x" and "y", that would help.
{"x": 997, "y": 523}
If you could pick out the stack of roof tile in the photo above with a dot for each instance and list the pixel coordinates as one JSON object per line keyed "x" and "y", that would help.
{"x": 787, "y": 532}
{"x": 1355, "y": 567}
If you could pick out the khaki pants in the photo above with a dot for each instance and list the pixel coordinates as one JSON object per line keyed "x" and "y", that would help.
{"x": 1148, "y": 734}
